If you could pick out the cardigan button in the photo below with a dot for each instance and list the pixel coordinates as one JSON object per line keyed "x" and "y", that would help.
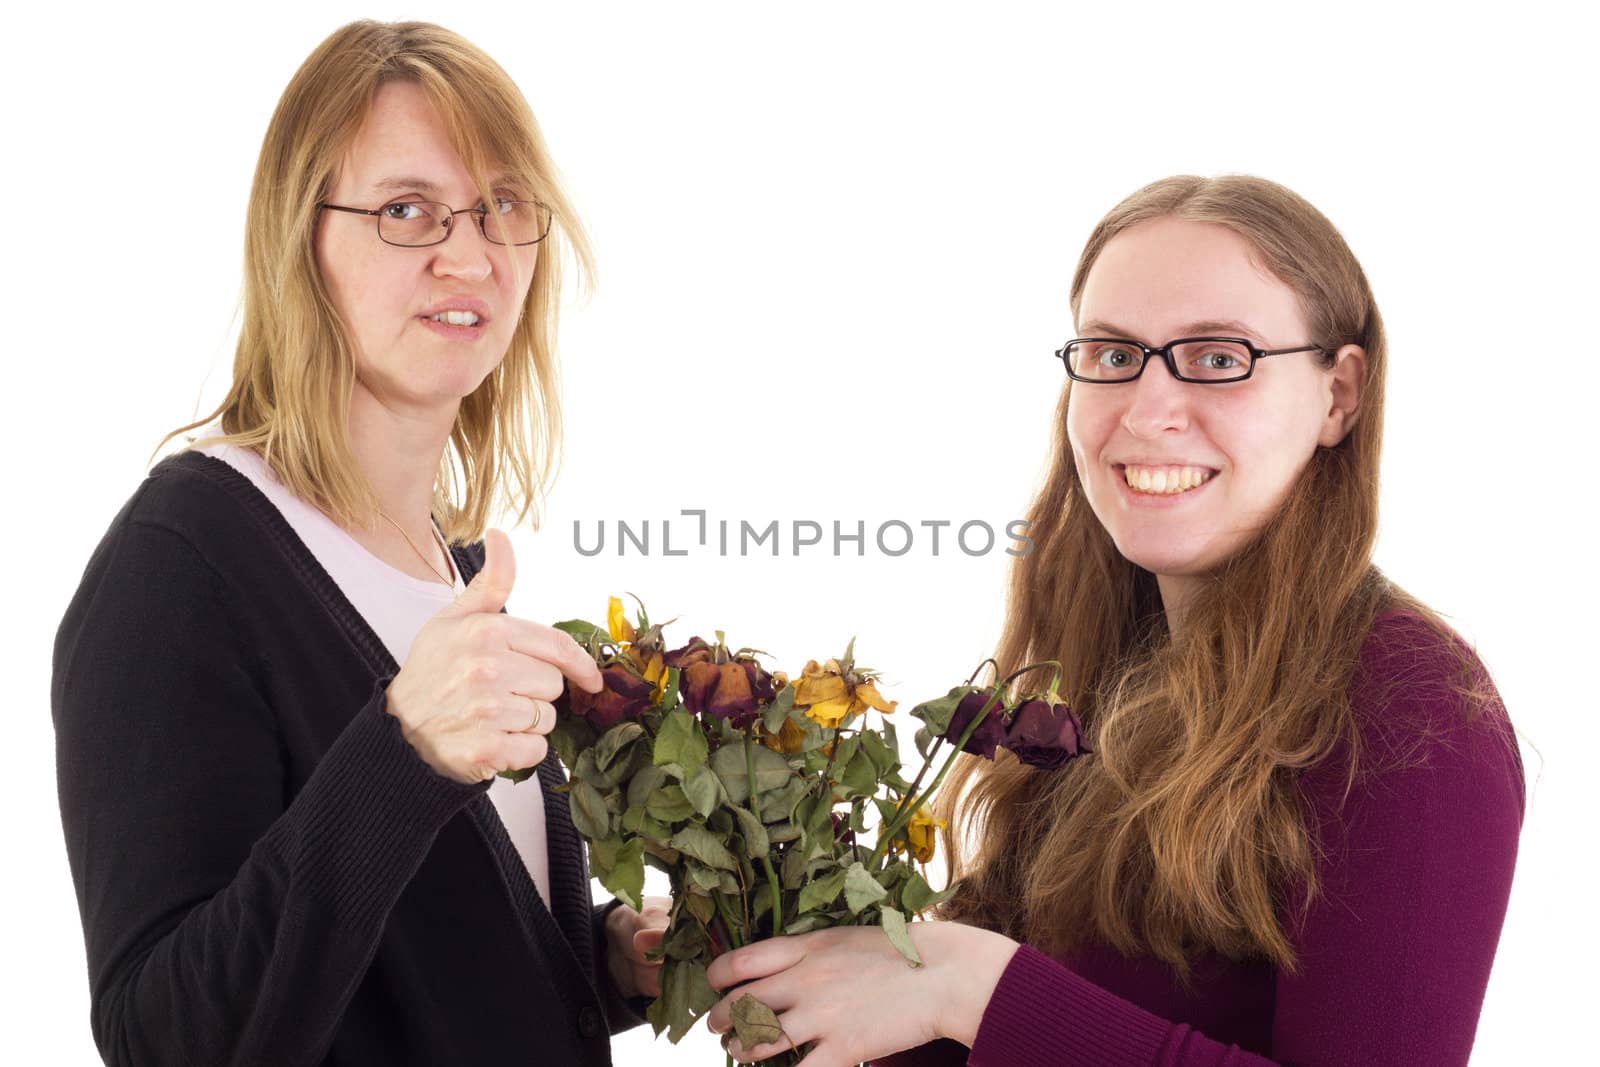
{"x": 589, "y": 1026}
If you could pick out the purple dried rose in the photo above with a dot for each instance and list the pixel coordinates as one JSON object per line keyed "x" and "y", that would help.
{"x": 626, "y": 696}
{"x": 1044, "y": 734}
{"x": 736, "y": 688}
{"x": 990, "y": 732}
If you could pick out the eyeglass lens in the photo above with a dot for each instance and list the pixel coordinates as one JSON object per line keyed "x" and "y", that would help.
{"x": 1115, "y": 361}
{"x": 422, "y": 222}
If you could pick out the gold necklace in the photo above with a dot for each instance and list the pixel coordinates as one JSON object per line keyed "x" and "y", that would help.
{"x": 418, "y": 551}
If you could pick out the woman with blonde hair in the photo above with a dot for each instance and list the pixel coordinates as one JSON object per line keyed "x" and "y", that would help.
{"x": 1294, "y": 837}
{"x": 289, "y": 848}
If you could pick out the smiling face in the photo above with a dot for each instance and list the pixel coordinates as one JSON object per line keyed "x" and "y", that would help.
{"x": 387, "y": 296}
{"x": 1211, "y": 462}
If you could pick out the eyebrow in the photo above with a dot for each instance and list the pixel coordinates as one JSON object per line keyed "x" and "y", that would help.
{"x": 1204, "y": 328}
{"x": 423, "y": 185}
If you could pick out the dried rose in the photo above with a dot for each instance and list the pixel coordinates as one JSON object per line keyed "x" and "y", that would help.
{"x": 1044, "y": 733}
{"x": 716, "y": 683}
{"x": 990, "y": 732}
{"x": 625, "y": 696}
{"x": 831, "y": 694}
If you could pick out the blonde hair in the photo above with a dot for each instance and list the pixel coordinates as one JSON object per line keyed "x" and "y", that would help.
{"x": 1181, "y": 829}
{"x": 293, "y": 370}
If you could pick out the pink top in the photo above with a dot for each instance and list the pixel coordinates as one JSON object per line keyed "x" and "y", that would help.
{"x": 396, "y": 606}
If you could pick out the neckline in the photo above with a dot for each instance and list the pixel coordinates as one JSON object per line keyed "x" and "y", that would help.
{"x": 258, "y": 504}
{"x": 431, "y": 586}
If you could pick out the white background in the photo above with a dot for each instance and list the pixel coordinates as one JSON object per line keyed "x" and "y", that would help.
{"x": 835, "y": 245}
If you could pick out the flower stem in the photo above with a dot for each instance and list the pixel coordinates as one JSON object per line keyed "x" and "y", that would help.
{"x": 766, "y": 861}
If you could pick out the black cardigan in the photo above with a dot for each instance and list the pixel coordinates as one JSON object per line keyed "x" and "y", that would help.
{"x": 267, "y": 872}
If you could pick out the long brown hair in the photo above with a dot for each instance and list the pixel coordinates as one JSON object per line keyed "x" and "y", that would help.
{"x": 293, "y": 370}
{"x": 1181, "y": 829}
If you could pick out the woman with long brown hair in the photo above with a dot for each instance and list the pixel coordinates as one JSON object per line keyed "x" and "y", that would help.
{"x": 286, "y": 686}
{"x": 1294, "y": 836}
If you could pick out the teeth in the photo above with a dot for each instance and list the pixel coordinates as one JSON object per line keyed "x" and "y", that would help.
{"x": 1166, "y": 481}
{"x": 457, "y": 318}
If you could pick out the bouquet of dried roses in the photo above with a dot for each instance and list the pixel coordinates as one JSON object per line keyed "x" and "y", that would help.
{"x": 755, "y": 793}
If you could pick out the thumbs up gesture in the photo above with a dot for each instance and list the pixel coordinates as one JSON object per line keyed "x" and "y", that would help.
{"x": 474, "y": 696}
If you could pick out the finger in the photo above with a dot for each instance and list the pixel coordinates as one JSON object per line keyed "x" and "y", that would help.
{"x": 517, "y": 714}
{"x": 755, "y": 961}
{"x": 516, "y": 673}
{"x": 556, "y": 648}
{"x": 647, "y": 979}
{"x": 491, "y": 586}
{"x": 521, "y": 751}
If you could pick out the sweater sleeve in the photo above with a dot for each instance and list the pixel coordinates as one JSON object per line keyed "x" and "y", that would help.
{"x": 1396, "y": 950}
{"x": 225, "y": 922}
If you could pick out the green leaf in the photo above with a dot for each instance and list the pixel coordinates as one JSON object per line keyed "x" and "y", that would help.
{"x": 680, "y": 742}
{"x": 613, "y": 741}
{"x": 685, "y": 996}
{"x": 861, "y": 890}
{"x": 704, "y": 790}
{"x": 705, "y": 877}
{"x": 645, "y": 782}
{"x": 845, "y": 750}
{"x": 938, "y": 712}
{"x": 589, "y": 812}
{"x": 924, "y": 741}
{"x": 753, "y": 832}
{"x": 779, "y": 804}
{"x": 777, "y": 711}
{"x": 620, "y": 868}
{"x": 772, "y": 770}
{"x": 581, "y": 631}
{"x": 794, "y": 869}
{"x": 755, "y": 1023}
{"x": 821, "y": 891}
{"x": 884, "y": 758}
{"x": 703, "y": 845}
{"x": 860, "y": 775}
{"x": 519, "y": 776}
{"x": 917, "y": 896}
{"x": 633, "y": 819}
{"x": 810, "y": 922}
{"x": 782, "y": 833}
{"x": 701, "y": 907}
{"x": 669, "y": 804}
{"x": 894, "y": 924}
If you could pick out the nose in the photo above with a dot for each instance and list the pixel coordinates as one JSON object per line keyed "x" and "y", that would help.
{"x": 463, "y": 254}
{"x": 1156, "y": 401}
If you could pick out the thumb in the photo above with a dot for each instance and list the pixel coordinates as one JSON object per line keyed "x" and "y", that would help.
{"x": 491, "y": 586}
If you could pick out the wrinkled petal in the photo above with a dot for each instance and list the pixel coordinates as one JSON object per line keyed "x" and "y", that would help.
{"x": 616, "y": 622}
{"x": 867, "y": 696}
{"x": 990, "y": 733}
{"x": 1044, "y": 735}
{"x": 829, "y": 713}
{"x": 625, "y": 696}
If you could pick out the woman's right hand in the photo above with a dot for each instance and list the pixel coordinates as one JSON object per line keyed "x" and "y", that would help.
{"x": 474, "y": 697}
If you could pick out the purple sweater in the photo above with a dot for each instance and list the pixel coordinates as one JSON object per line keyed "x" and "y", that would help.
{"x": 1395, "y": 953}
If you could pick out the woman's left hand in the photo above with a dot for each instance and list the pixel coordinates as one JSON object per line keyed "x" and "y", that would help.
{"x": 629, "y": 936}
{"x": 850, "y": 991}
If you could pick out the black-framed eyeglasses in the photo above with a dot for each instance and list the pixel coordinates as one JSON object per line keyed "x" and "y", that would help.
{"x": 1205, "y": 360}
{"x": 420, "y": 223}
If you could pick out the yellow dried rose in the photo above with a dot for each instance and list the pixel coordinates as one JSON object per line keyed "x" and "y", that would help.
{"x": 920, "y": 832}
{"x": 621, "y": 629}
{"x": 831, "y": 694}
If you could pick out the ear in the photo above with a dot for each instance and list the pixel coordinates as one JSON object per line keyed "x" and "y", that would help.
{"x": 1344, "y": 394}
